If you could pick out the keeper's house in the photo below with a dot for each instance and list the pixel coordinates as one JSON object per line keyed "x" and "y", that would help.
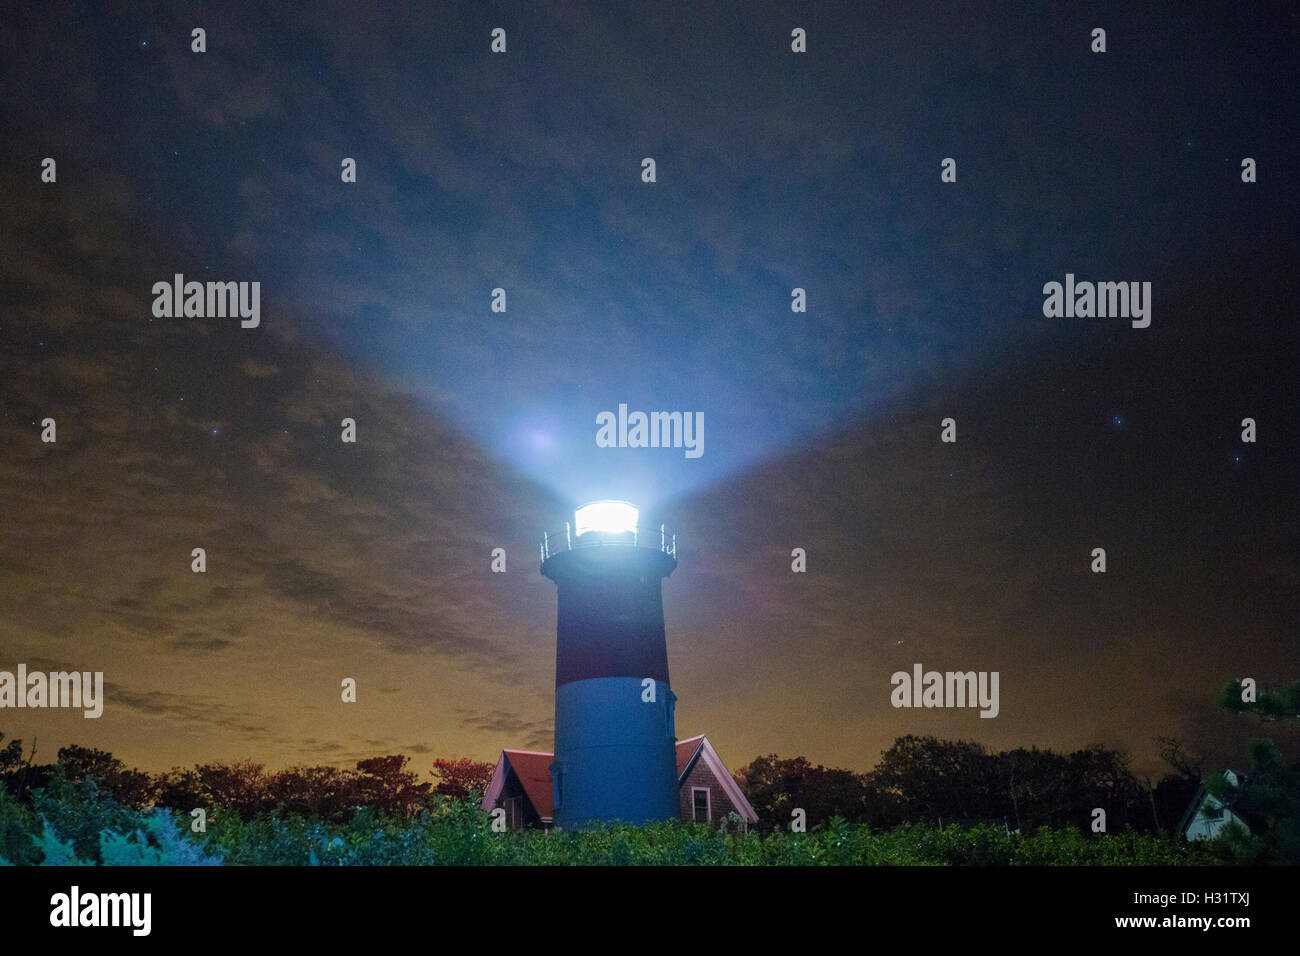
{"x": 1207, "y": 814}
{"x": 522, "y": 785}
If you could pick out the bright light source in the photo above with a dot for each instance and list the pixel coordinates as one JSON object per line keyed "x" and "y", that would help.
{"x": 610, "y": 517}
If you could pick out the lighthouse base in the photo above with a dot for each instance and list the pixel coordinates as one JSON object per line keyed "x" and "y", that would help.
{"x": 615, "y": 752}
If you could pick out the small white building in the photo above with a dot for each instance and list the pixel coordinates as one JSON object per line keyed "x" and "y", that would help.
{"x": 1207, "y": 815}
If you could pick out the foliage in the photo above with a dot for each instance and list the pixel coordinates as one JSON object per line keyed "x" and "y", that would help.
{"x": 11, "y": 755}
{"x": 159, "y": 842}
{"x": 79, "y": 812}
{"x": 775, "y": 786}
{"x": 17, "y": 824}
{"x": 1270, "y": 705}
{"x": 459, "y": 833}
{"x": 1268, "y": 800}
{"x": 54, "y": 850}
{"x": 17, "y": 775}
{"x": 924, "y": 778}
{"x": 384, "y": 784}
{"x": 88, "y": 809}
{"x": 132, "y": 788}
{"x": 458, "y": 778}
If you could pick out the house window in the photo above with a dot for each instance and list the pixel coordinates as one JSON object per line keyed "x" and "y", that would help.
{"x": 515, "y": 813}
{"x": 701, "y": 811}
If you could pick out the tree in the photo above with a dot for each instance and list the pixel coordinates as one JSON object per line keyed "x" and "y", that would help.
{"x": 11, "y": 756}
{"x": 181, "y": 790}
{"x": 385, "y": 784}
{"x": 1183, "y": 763}
{"x": 1269, "y": 798}
{"x": 20, "y": 776}
{"x": 1176, "y": 790}
{"x": 457, "y": 778}
{"x": 326, "y": 793}
{"x": 132, "y": 788}
{"x": 241, "y": 787}
{"x": 1268, "y": 704}
{"x": 924, "y": 778}
{"x": 775, "y": 786}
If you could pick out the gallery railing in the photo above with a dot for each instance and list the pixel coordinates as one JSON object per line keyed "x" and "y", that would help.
{"x": 567, "y": 540}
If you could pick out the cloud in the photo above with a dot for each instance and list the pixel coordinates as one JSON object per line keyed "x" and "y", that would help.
{"x": 326, "y": 559}
{"x": 513, "y": 731}
{"x": 255, "y": 369}
{"x": 184, "y": 710}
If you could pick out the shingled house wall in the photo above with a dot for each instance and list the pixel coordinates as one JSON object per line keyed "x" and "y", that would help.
{"x": 701, "y": 776}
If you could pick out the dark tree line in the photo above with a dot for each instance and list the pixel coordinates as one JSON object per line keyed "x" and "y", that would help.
{"x": 917, "y": 779}
{"x": 933, "y": 780}
{"x": 328, "y": 793}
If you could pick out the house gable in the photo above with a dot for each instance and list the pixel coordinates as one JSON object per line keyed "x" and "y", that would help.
{"x": 703, "y": 770}
{"x": 523, "y": 775}
{"x": 1207, "y": 815}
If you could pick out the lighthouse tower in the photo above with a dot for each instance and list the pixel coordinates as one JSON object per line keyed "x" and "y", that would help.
{"x": 615, "y": 756}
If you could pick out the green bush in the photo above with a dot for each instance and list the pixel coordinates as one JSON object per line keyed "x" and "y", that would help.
{"x": 78, "y": 824}
{"x": 159, "y": 842}
{"x": 79, "y": 812}
{"x": 17, "y": 825}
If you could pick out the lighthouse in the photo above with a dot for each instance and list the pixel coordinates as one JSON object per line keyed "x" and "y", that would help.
{"x": 614, "y": 728}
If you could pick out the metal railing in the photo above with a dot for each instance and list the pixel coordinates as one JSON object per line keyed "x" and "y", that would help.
{"x": 566, "y": 540}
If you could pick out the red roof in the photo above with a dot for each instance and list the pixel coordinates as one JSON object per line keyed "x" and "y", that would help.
{"x": 686, "y": 750}
{"x": 534, "y": 772}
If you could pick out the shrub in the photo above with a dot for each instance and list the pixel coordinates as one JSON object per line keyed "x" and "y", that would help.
{"x": 17, "y": 826}
{"x": 79, "y": 812}
{"x": 81, "y": 824}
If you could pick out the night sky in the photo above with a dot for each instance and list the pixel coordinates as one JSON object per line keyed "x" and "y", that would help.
{"x": 476, "y": 429}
